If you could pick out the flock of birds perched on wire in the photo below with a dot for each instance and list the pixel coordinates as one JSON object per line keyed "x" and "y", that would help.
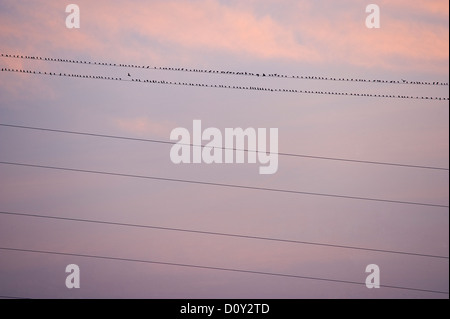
{"x": 237, "y": 87}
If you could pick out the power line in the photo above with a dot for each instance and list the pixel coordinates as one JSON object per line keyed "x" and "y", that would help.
{"x": 217, "y": 72}
{"x": 224, "y": 185}
{"x": 216, "y": 268}
{"x": 222, "y": 234}
{"x": 222, "y": 86}
{"x": 12, "y": 297}
{"x": 223, "y": 148}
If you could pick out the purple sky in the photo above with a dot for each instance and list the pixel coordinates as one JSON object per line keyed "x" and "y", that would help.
{"x": 294, "y": 37}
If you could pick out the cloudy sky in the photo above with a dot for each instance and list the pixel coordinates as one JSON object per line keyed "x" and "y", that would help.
{"x": 301, "y": 38}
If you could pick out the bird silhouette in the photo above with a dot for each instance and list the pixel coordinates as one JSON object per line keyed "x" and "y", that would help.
{"x": 129, "y": 74}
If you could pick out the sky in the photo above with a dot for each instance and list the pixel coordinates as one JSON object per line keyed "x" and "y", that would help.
{"x": 301, "y": 38}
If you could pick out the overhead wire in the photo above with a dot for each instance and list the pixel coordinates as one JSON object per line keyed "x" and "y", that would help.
{"x": 222, "y": 234}
{"x": 12, "y": 297}
{"x": 223, "y": 148}
{"x": 204, "y": 267}
{"x": 222, "y": 72}
{"x": 224, "y": 86}
{"x": 277, "y": 190}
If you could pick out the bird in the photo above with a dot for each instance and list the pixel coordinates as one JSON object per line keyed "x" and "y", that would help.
{"x": 129, "y": 74}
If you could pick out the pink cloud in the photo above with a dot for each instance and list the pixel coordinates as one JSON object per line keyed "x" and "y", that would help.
{"x": 208, "y": 24}
{"x": 343, "y": 38}
{"x": 337, "y": 35}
